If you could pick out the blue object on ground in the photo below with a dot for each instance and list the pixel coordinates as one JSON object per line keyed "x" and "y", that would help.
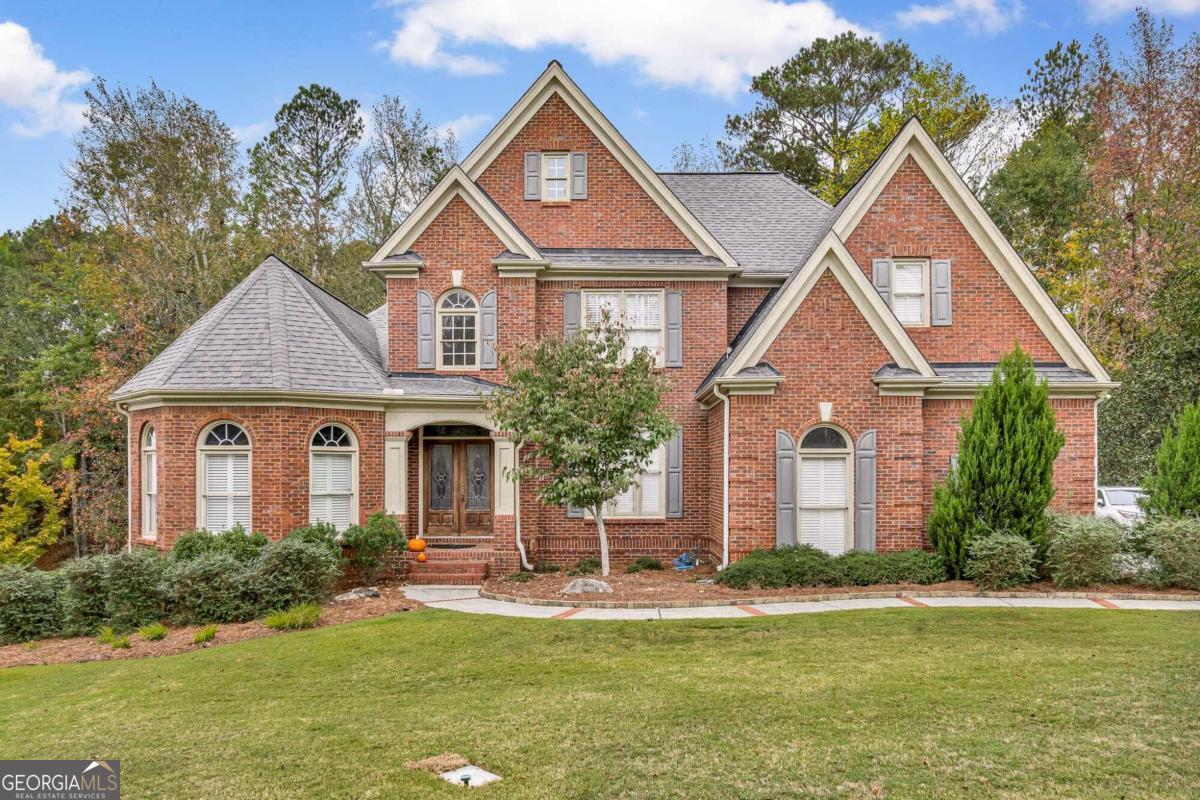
{"x": 684, "y": 562}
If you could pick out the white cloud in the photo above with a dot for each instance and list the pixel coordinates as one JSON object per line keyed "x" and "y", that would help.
{"x": 977, "y": 16}
{"x": 31, "y": 84}
{"x": 251, "y": 133}
{"x": 711, "y": 45}
{"x": 1107, "y": 9}
{"x": 464, "y": 126}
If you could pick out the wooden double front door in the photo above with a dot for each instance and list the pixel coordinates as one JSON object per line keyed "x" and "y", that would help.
{"x": 458, "y": 487}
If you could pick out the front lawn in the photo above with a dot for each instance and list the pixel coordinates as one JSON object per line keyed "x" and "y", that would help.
{"x": 900, "y": 703}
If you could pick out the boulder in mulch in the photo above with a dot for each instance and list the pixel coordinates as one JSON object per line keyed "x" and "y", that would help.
{"x": 361, "y": 593}
{"x": 587, "y": 586}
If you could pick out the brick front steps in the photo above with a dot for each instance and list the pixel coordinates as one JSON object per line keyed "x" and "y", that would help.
{"x": 914, "y": 597}
{"x": 466, "y": 566}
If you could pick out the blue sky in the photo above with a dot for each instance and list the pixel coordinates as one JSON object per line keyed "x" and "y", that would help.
{"x": 664, "y": 71}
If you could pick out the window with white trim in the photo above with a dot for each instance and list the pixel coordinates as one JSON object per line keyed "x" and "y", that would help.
{"x": 458, "y": 331}
{"x": 910, "y": 291}
{"x": 556, "y": 171}
{"x": 638, "y": 311}
{"x": 332, "y": 482}
{"x": 224, "y": 465}
{"x": 645, "y": 496}
{"x": 149, "y": 483}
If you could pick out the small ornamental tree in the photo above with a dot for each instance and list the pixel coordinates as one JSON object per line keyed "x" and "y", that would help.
{"x": 585, "y": 415}
{"x": 1173, "y": 486}
{"x": 1004, "y": 477}
{"x": 30, "y": 508}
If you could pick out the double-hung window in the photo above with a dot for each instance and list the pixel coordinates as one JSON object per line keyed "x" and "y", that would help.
{"x": 910, "y": 291}
{"x": 555, "y": 174}
{"x": 639, "y": 312}
{"x": 224, "y": 457}
{"x": 644, "y": 497}
{"x": 332, "y": 469}
{"x": 458, "y": 331}
{"x": 149, "y": 483}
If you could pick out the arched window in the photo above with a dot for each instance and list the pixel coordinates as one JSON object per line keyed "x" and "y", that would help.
{"x": 224, "y": 469}
{"x": 825, "y": 490}
{"x": 149, "y": 483}
{"x": 458, "y": 331}
{"x": 333, "y": 471}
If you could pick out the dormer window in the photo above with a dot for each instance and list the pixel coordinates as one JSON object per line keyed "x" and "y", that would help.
{"x": 554, "y": 176}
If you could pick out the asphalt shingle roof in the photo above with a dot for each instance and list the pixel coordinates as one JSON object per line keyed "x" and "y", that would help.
{"x": 766, "y": 221}
{"x": 981, "y": 372}
{"x": 569, "y": 256}
{"x": 275, "y": 331}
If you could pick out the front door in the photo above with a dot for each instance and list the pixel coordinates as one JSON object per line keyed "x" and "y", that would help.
{"x": 458, "y": 487}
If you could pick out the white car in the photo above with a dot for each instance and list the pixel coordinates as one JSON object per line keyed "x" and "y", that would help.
{"x": 1120, "y": 504}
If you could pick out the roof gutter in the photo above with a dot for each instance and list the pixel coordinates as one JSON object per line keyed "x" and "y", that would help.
{"x": 123, "y": 410}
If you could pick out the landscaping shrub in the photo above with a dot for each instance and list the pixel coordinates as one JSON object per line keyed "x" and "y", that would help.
{"x": 205, "y": 634}
{"x": 1173, "y": 487}
{"x": 211, "y": 587}
{"x": 84, "y": 597}
{"x": 372, "y": 543}
{"x": 304, "y": 615}
{"x": 120, "y": 643}
{"x": 1003, "y": 480}
{"x": 585, "y": 566}
{"x": 134, "y": 588}
{"x": 1175, "y": 544}
{"x": 1083, "y": 551}
{"x": 805, "y": 566}
{"x": 644, "y": 563}
{"x": 519, "y": 577}
{"x": 290, "y": 572}
{"x": 234, "y": 542}
{"x": 322, "y": 534}
{"x": 29, "y": 606}
{"x": 1000, "y": 561}
{"x": 153, "y": 632}
{"x": 915, "y": 566}
{"x": 106, "y": 635}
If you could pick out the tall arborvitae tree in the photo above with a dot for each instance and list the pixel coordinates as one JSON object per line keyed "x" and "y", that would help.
{"x": 1173, "y": 487}
{"x": 1004, "y": 476}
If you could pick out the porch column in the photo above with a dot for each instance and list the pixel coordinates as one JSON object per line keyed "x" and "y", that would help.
{"x": 504, "y": 520}
{"x": 395, "y": 472}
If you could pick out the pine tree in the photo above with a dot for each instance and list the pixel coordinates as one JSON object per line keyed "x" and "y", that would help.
{"x": 1004, "y": 478}
{"x": 1173, "y": 488}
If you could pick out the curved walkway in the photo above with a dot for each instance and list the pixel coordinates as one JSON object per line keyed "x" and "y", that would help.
{"x": 467, "y": 599}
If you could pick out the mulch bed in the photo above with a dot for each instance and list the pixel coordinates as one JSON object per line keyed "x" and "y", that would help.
{"x": 665, "y": 586}
{"x": 179, "y": 640}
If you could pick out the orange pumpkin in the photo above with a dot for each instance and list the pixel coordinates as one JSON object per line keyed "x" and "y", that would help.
{"x": 421, "y": 557}
{"x": 416, "y": 544}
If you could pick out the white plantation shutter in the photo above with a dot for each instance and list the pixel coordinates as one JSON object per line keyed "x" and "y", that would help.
{"x": 623, "y": 503}
{"x": 651, "y": 486}
{"x": 643, "y": 321}
{"x": 150, "y": 477}
{"x": 331, "y": 489}
{"x": 908, "y": 292}
{"x": 823, "y": 503}
{"x": 596, "y": 303}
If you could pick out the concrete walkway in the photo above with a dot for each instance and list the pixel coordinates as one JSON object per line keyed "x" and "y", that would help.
{"x": 467, "y": 599}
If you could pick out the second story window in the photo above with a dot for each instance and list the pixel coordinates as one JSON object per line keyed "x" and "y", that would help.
{"x": 640, "y": 312}
{"x": 910, "y": 292}
{"x": 555, "y": 174}
{"x": 458, "y": 331}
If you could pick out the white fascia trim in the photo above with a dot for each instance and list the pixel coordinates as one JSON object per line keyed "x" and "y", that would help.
{"x": 608, "y": 272}
{"x": 832, "y": 255}
{"x": 915, "y": 141}
{"x": 759, "y": 281}
{"x": 554, "y": 80}
{"x": 362, "y": 402}
{"x": 455, "y": 184}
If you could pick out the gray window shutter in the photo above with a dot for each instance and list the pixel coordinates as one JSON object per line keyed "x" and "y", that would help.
{"x": 487, "y": 324}
{"x": 425, "y": 355}
{"x": 675, "y": 474}
{"x": 574, "y": 513}
{"x": 579, "y": 176}
{"x": 674, "y": 329}
{"x": 533, "y": 176}
{"x": 785, "y": 490}
{"x": 864, "y": 493}
{"x": 571, "y": 313}
{"x": 881, "y": 277}
{"x": 940, "y": 283}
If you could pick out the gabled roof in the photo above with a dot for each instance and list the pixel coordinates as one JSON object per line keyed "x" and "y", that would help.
{"x": 454, "y": 184}
{"x": 555, "y": 81}
{"x": 768, "y": 222}
{"x": 276, "y": 331}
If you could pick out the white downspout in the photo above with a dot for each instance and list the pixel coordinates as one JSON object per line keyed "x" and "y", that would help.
{"x": 124, "y": 412}
{"x": 517, "y": 514}
{"x": 724, "y": 479}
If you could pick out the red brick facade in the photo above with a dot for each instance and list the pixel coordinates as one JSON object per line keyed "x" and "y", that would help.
{"x": 827, "y": 353}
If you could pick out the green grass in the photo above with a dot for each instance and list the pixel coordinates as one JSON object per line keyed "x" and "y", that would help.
{"x": 907, "y": 703}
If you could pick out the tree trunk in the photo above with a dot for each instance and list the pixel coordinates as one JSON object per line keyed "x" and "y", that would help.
{"x": 599, "y": 517}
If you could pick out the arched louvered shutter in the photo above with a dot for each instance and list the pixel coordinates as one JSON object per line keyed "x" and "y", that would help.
{"x": 785, "y": 490}
{"x": 487, "y": 324}
{"x": 425, "y": 321}
{"x": 864, "y": 492}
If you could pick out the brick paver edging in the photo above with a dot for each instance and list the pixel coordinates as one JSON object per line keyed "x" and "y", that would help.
{"x": 830, "y": 596}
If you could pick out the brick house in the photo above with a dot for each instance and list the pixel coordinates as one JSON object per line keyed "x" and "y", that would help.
{"x": 820, "y": 358}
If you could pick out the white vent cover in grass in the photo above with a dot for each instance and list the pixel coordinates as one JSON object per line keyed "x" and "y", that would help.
{"x": 475, "y": 776}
